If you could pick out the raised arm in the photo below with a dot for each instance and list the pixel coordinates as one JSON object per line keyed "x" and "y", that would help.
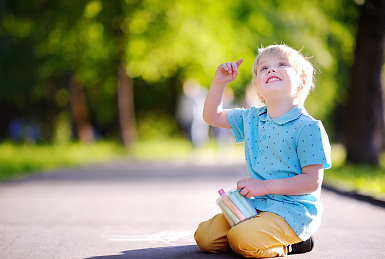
{"x": 213, "y": 113}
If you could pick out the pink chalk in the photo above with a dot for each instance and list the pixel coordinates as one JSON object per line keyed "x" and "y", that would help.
{"x": 221, "y": 192}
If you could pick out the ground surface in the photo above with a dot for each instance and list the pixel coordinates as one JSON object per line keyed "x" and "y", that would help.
{"x": 150, "y": 210}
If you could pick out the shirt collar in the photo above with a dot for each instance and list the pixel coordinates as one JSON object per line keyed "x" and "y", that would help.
{"x": 291, "y": 115}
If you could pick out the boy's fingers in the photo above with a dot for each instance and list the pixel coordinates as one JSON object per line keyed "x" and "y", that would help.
{"x": 231, "y": 67}
{"x": 234, "y": 67}
{"x": 228, "y": 65}
{"x": 239, "y": 62}
{"x": 240, "y": 184}
{"x": 243, "y": 192}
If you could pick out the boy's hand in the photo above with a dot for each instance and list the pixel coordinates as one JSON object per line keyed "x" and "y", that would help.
{"x": 251, "y": 187}
{"x": 227, "y": 72}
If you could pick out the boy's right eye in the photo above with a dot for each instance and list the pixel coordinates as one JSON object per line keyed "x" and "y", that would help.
{"x": 262, "y": 68}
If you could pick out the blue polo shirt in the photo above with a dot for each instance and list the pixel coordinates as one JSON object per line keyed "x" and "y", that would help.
{"x": 279, "y": 148}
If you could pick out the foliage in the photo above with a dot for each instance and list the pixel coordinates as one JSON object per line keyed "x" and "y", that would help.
{"x": 162, "y": 43}
{"x": 157, "y": 125}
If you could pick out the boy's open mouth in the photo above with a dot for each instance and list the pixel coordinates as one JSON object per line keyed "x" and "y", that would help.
{"x": 272, "y": 79}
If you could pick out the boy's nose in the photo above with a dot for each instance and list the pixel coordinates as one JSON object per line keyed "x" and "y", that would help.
{"x": 271, "y": 70}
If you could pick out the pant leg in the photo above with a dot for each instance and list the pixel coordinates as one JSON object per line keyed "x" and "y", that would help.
{"x": 266, "y": 235}
{"x": 211, "y": 235}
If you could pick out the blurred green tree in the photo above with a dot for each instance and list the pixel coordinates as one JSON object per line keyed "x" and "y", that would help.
{"x": 54, "y": 61}
{"x": 82, "y": 59}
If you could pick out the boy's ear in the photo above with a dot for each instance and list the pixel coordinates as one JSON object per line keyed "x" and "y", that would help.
{"x": 303, "y": 78}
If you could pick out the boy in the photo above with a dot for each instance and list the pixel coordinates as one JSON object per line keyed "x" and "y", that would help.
{"x": 286, "y": 152}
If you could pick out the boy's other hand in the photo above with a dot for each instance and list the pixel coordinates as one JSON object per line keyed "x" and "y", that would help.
{"x": 251, "y": 187}
{"x": 227, "y": 72}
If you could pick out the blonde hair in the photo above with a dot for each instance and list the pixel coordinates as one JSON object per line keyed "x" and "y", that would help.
{"x": 300, "y": 63}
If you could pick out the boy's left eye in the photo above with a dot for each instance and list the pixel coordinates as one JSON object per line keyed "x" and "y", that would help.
{"x": 282, "y": 64}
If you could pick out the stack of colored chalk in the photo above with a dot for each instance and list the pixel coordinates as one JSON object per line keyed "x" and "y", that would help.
{"x": 235, "y": 207}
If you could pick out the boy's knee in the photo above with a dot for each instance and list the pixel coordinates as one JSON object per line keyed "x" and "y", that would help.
{"x": 201, "y": 238}
{"x": 203, "y": 241}
{"x": 241, "y": 243}
{"x": 209, "y": 239}
{"x": 207, "y": 242}
{"x": 238, "y": 241}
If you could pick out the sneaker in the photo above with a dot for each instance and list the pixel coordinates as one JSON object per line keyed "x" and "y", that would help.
{"x": 302, "y": 247}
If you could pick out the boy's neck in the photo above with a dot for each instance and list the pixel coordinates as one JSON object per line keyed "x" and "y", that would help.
{"x": 276, "y": 110}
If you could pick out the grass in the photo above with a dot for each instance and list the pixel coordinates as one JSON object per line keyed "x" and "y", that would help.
{"x": 181, "y": 150}
{"x": 17, "y": 160}
{"x": 364, "y": 179}
{"x": 161, "y": 149}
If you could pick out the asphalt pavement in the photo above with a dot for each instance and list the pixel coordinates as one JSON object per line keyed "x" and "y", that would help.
{"x": 127, "y": 209}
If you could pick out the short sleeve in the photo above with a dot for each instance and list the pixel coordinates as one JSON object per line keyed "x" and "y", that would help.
{"x": 313, "y": 145}
{"x": 235, "y": 119}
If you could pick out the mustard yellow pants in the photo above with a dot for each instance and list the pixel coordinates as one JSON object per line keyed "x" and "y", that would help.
{"x": 266, "y": 235}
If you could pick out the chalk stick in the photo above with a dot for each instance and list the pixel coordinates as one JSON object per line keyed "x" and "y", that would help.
{"x": 238, "y": 202}
{"x": 230, "y": 217}
{"x": 246, "y": 202}
{"x": 233, "y": 208}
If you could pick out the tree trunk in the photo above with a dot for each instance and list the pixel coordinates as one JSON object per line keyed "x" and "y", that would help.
{"x": 364, "y": 132}
{"x": 80, "y": 112}
{"x": 126, "y": 107}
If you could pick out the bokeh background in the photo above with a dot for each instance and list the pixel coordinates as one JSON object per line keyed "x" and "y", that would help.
{"x": 130, "y": 76}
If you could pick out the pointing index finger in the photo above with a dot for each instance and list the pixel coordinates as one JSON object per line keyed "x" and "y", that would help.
{"x": 239, "y": 62}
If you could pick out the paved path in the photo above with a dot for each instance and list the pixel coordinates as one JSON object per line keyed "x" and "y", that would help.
{"x": 138, "y": 210}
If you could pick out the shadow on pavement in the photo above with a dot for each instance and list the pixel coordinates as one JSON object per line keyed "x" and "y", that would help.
{"x": 170, "y": 252}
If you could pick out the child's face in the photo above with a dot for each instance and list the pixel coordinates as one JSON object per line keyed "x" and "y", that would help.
{"x": 276, "y": 78}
